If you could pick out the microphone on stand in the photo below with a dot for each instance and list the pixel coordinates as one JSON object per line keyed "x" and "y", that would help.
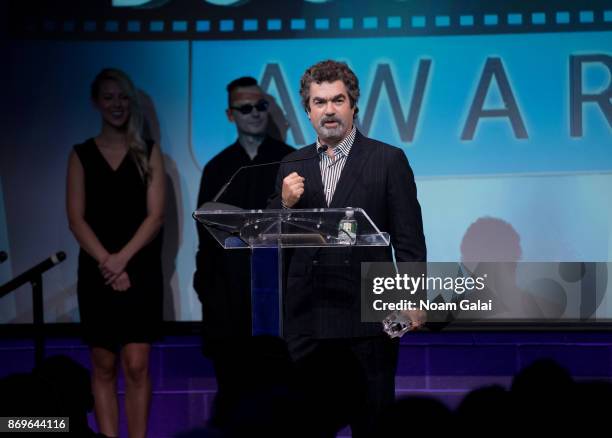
{"x": 214, "y": 205}
{"x": 33, "y": 272}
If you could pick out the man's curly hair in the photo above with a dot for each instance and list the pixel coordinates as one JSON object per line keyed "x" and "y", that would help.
{"x": 329, "y": 71}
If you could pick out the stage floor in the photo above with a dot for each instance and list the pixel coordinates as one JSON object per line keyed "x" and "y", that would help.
{"x": 443, "y": 365}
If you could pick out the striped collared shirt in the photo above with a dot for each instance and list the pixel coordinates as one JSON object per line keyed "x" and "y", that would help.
{"x": 331, "y": 167}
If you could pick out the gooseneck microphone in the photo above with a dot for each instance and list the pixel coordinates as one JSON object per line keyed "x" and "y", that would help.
{"x": 320, "y": 149}
{"x": 33, "y": 272}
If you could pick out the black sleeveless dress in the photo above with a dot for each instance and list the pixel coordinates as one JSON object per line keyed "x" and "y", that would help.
{"x": 115, "y": 206}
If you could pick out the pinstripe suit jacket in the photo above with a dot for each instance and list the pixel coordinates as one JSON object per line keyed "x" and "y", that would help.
{"x": 322, "y": 285}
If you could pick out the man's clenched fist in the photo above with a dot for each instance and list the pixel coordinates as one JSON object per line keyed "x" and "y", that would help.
{"x": 293, "y": 189}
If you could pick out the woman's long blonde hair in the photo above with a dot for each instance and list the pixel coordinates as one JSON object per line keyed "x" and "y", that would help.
{"x": 136, "y": 145}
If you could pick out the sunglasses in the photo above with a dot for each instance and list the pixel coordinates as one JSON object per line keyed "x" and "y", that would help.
{"x": 260, "y": 106}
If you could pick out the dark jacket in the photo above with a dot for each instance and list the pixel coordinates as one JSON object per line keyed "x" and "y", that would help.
{"x": 322, "y": 285}
{"x": 222, "y": 277}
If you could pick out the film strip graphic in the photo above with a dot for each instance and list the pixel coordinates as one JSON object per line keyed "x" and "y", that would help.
{"x": 402, "y": 19}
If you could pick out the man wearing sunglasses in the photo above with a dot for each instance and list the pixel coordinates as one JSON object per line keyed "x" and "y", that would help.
{"x": 222, "y": 278}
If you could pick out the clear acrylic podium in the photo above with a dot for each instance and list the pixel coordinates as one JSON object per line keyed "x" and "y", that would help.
{"x": 235, "y": 228}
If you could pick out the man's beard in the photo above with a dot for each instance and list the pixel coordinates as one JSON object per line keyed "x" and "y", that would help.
{"x": 334, "y": 133}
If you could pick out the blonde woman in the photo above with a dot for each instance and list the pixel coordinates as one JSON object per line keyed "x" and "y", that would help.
{"x": 115, "y": 203}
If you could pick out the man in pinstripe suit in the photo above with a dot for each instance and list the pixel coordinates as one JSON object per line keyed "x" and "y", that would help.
{"x": 322, "y": 286}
